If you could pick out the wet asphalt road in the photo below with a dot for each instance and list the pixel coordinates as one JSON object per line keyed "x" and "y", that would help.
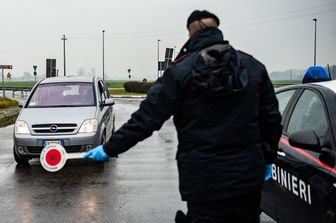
{"x": 140, "y": 186}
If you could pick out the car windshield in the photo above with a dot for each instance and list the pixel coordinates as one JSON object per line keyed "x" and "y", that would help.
{"x": 62, "y": 95}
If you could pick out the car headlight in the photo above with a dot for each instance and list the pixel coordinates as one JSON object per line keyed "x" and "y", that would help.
{"x": 88, "y": 126}
{"x": 21, "y": 127}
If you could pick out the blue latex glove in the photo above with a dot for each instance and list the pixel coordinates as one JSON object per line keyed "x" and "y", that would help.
{"x": 268, "y": 172}
{"x": 97, "y": 154}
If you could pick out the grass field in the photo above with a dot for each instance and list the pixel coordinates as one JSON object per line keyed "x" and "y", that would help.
{"x": 122, "y": 92}
{"x": 110, "y": 84}
{"x": 120, "y": 84}
{"x": 281, "y": 83}
{"x": 287, "y": 82}
{"x": 30, "y": 84}
{"x": 26, "y": 84}
{"x": 115, "y": 84}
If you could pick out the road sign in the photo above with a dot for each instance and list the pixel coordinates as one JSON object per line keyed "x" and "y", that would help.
{"x": 53, "y": 157}
{"x": 2, "y": 67}
{"x": 51, "y": 68}
{"x": 169, "y": 53}
{"x": 6, "y": 67}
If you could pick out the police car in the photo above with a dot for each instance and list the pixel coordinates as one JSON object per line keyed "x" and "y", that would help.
{"x": 303, "y": 183}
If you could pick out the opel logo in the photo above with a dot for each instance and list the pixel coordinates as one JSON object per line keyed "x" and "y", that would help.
{"x": 53, "y": 128}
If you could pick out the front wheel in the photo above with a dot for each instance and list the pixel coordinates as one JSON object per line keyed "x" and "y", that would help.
{"x": 18, "y": 160}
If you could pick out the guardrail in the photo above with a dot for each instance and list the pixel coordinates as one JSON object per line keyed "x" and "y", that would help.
{"x": 24, "y": 90}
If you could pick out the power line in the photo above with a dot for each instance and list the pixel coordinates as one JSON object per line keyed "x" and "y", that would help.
{"x": 243, "y": 23}
{"x": 285, "y": 12}
{"x": 64, "y": 54}
{"x": 128, "y": 36}
{"x": 278, "y": 19}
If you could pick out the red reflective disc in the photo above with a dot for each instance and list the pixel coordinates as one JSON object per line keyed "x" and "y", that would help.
{"x": 53, "y": 157}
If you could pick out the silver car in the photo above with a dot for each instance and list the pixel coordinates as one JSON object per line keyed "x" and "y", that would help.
{"x": 76, "y": 112}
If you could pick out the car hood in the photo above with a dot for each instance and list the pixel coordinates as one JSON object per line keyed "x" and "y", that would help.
{"x": 57, "y": 115}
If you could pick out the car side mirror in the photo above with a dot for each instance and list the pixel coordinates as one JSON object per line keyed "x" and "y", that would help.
{"x": 108, "y": 102}
{"x": 306, "y": 139}
{"x": 328, "y": 156}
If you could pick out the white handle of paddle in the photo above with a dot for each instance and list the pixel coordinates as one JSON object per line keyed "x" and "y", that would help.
{"x": 74, "y": 155}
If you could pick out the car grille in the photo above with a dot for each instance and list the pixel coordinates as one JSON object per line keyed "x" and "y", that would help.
{"x": 54, "y": 128}
{"x": 68, "y": 149}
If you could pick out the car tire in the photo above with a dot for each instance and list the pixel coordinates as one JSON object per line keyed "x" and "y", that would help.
{"x": 20, "y": 161}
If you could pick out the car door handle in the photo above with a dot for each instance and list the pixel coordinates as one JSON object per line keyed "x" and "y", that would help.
{"x": 280, "y": 153}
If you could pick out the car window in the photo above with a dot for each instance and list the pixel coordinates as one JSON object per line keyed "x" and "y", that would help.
{"x": 283, "y": 98}
{"x": 62, "y": 94}
{"x": 309, "y": 114}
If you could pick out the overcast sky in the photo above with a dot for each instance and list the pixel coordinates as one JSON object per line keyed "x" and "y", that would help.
{"x": 278, "y": 33}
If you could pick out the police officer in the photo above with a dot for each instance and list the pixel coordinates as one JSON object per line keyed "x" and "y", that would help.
{"x": 227, "y": 120}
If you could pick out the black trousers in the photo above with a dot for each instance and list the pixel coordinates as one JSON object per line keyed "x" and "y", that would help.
{"x": 244, "y": 209}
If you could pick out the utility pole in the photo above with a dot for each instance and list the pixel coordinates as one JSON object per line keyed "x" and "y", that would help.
{"x": 64, "y": 53}
{"x": 329, "y": 71}
{"x": 174, "y": 53}
{"x": 3, "y": 84}
{"x": 158, "y": 51}
{"x": 103, "y": 58}
{"x": 315, "y": 21}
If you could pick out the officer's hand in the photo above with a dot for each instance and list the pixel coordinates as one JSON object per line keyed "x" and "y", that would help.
{"x": 268, "y": 172}
{"x": 97, "y": 154}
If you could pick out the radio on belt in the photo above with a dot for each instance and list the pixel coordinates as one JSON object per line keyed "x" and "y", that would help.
{"x": 53, "y": 157}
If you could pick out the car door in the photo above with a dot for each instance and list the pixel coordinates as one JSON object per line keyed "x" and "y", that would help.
{"x": 268, "y": 203}
{"x": 303, "y": 185}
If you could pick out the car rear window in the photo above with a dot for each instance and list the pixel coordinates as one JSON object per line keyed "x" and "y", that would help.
{"x": 63, "y": 95}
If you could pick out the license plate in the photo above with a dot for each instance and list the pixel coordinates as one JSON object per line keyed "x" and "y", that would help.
{"x": 47, "y": 142}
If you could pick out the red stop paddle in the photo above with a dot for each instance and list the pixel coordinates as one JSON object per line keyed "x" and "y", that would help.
{"x": 53, "y": 157}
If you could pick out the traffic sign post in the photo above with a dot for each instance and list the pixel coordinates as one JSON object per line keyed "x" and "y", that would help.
{"x": 3, "y": 67}
{"x": 129, "y": 73}
{"x": 34, "y": 67}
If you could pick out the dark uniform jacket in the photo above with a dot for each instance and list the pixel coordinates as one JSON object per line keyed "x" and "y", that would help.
{"x": 226, "y": 116}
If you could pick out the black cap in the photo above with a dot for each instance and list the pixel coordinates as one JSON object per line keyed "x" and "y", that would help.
{"x": 198, "y": 15}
